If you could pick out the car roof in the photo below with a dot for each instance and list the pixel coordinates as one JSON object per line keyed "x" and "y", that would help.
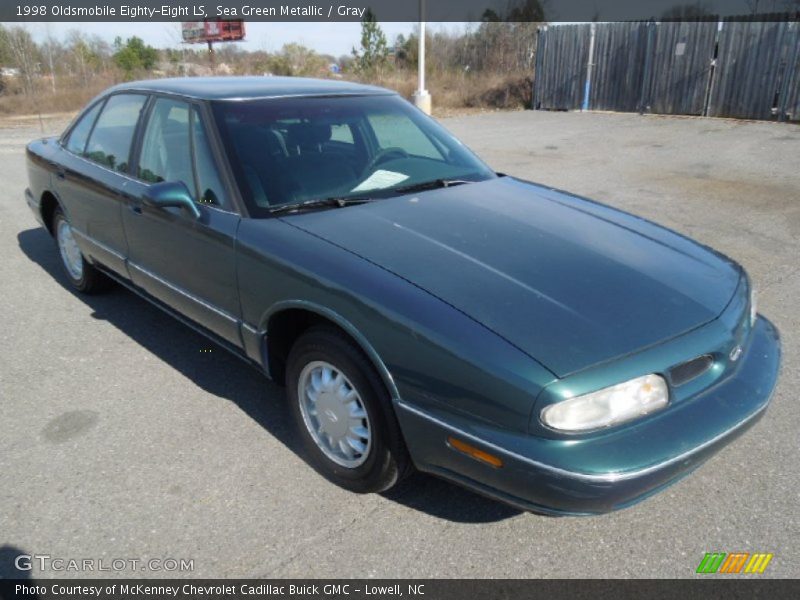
{"x": 244, "y": 88}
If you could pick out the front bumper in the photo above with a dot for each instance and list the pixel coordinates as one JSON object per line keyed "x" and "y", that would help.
{"x": 550, "y": 476}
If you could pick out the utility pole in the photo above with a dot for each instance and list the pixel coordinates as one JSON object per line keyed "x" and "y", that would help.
{"x": 422, "y": 99}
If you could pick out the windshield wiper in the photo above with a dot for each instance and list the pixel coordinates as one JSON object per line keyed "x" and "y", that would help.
{"x": 430, "y": 185}
{"x": 339, "y": 201}
{"x": 332, "y": 202}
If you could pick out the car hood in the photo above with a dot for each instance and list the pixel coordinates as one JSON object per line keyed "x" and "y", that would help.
{"x": 570, "y": 282}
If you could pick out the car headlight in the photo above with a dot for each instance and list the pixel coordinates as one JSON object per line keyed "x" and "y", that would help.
{"x": 753, "y": 306}
{"x": 609, "y": 406}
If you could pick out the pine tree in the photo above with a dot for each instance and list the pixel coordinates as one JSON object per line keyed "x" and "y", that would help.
{"x": 374, "y": 51}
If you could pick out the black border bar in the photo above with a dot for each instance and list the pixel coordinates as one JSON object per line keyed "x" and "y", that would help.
{"x": 709, "y": 586}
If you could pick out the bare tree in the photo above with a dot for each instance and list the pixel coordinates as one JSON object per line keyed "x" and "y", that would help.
{"x": 51, "y": 48}
{"x": 25, "y": 56}
{"x": 5, "y": 51}
{"x": 86, "y": 55}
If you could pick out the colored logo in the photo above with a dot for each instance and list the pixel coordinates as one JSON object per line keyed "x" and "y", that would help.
{"x": 735, "y": 562}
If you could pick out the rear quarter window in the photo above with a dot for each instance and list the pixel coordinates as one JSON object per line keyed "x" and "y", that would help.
{"x": 76, "y": 142}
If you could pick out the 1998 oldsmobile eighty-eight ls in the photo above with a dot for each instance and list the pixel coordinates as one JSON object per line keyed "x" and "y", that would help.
{"x": 421, "y": 310}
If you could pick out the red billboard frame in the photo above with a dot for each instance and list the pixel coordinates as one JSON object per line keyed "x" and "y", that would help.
{"x": 219, "y": 30}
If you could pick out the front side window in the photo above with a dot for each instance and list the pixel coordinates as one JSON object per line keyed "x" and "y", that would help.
{"x": 80, "y": 133}
{"x": 175, "y": 148}
{"x": 285, "y": 151}
{"x": 166, "y": 150}
{"x": 209, "y": 184}
{"x": 111, "y": 138}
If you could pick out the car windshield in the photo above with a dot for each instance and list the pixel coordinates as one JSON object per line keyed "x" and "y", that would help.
{"x": 287, "y": 151}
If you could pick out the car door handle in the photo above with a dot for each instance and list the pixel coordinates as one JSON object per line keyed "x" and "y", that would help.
{"x": 61, "y": 174}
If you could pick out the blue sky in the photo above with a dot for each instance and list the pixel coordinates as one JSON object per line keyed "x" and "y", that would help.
{"x": 328, "y": 38}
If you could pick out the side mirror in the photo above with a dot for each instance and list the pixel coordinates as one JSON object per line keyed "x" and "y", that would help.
{"x": 170, "y": 193}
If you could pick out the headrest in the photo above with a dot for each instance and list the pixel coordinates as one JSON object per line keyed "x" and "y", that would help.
{"x": 173, "y": 125}
{"x": 308, "y": 134}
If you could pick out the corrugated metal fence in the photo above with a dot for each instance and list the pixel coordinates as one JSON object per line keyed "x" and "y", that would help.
{"x": 566, "y": 47}
{"x": 756, "y": 67}
{"x": 736, "y": 69}
{"x": 681, "y": 68}
{"x": 618, "y": 70}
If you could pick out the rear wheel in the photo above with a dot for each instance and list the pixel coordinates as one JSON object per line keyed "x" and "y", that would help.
{"x": 82, "y": 275}
{"x": 344, "y": 414}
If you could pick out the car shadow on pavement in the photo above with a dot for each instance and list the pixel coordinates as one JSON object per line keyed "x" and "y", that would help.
{"x": 262, "y": 400}
{"x": 15, "y": 564}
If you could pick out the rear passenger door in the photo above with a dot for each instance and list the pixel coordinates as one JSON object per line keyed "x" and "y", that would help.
{"x": 186, "y": 262}
{"x": 93, "y": 170}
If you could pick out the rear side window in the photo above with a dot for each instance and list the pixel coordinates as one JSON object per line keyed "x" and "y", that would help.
{"x": 395, "y": 129}
{"x": 80, "y": 133}
{"x": 342, "y": 133}
{"x": 110, "y": 141}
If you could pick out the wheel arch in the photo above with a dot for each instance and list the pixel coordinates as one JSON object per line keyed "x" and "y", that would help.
{"x": 48, "y": 204}
{"x": 286, "y": 321}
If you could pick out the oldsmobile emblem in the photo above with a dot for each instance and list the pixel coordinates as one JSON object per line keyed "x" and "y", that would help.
{"x": 735, "y": 353}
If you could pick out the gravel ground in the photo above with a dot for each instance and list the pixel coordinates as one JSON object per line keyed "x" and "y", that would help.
{"x": 122, "y": 440}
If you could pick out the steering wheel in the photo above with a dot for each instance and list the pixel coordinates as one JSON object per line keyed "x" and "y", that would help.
{"x": 382, "y": 156}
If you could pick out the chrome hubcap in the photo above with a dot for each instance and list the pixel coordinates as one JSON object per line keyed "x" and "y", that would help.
{"x": 70, "y": 253}
{"x": 334, "y": 414}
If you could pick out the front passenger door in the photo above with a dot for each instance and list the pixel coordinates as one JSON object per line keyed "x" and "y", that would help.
{"x": 186, "y": 262}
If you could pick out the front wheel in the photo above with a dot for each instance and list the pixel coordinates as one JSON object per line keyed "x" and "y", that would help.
{"x": 344, "y": 414}
{"x": 82, "y": 275}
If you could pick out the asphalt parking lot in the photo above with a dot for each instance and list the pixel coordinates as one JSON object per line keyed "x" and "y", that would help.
{"x": 124, "y": 437}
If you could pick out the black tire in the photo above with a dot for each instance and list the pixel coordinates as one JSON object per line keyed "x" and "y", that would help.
{"x": 91, "y": 281}
{"x": 387, "y": 461}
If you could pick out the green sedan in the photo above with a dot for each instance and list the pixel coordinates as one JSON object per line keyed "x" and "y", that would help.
{"x": 421, "y": 310}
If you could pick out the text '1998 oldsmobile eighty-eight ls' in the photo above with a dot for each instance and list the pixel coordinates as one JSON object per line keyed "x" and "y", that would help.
{"x": 420, "y": 309}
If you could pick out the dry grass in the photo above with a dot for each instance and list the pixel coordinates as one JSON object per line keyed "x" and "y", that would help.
{"x": 453, "y": 92}
{"x": 70, "y": 95}
{"x": 456, "y": 91}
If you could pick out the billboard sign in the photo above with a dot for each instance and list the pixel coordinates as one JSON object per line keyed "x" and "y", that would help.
{"x": 200, "y": 32}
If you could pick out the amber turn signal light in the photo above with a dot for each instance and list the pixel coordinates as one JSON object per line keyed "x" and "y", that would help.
{"x": 474, "y": 452}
